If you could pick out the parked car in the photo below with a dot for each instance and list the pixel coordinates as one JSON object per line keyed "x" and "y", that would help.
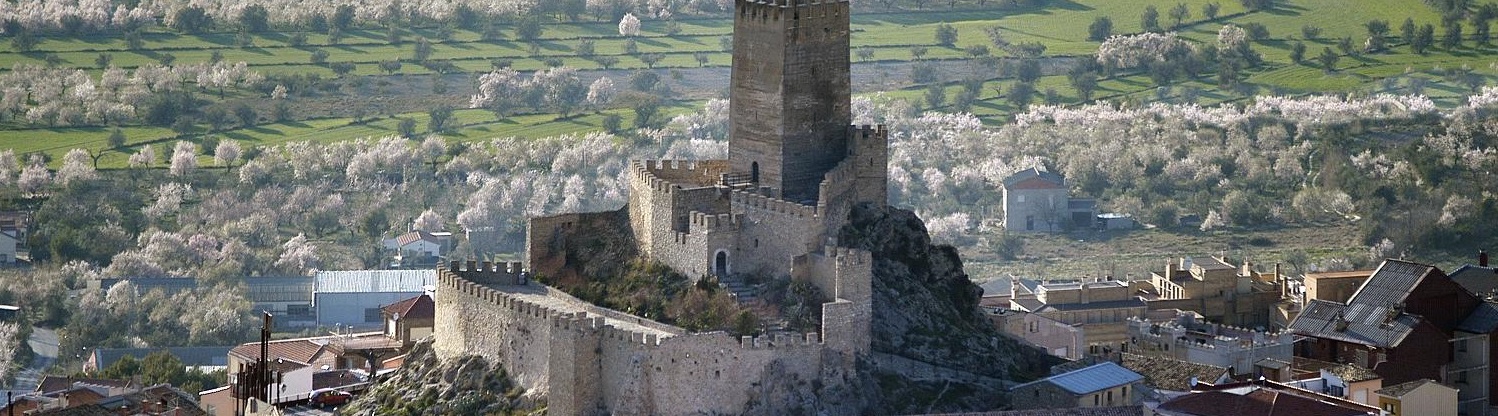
{"x": 330, "y": 398}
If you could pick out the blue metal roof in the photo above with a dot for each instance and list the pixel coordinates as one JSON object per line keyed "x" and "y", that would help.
{"x": 1102, "y": 376}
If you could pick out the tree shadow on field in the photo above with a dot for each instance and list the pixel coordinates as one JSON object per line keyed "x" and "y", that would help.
{"x": 257, "y": 50}
{"x": 650, "y": 42}
{"x": 1284, "y": 9}
{"x": 220, "y": 39}
{"x": 239, "y": 136}
{"x": 274, "y": 36}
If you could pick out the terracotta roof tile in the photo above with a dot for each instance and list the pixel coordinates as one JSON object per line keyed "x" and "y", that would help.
{"x": 417, "y": 307}
{"x": 301, "y": 350}
{"x": 1259, "y": 402}
{"x": 1170, "y": 374}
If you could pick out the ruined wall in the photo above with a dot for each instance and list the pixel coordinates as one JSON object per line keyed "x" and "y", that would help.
{"x": 847, "y": 321}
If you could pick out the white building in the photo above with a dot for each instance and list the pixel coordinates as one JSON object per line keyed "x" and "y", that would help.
{"x": 1183, "y": 335}
{"x": 419, "y": 244}
{"x": 1039, "y": 201}
{"x": 354, "y": 298}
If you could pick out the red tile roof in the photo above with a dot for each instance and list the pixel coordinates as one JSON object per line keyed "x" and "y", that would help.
{"x": 418, "y": 307}
{"x": 54, "y": 384}
{"x": 414, "y": 236}
{"x": 300, "y": 350}
{"x": 1259, "y": 402}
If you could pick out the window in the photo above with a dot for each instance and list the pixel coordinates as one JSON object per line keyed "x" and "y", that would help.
{"x": 1461, "y": 377}
{"x": 299, "y": 311}
{"x": 1461, "y": 345}
{"x": 371, "y": 314}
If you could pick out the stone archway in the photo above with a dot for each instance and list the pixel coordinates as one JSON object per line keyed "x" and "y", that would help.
{"x": 720, "y": 264}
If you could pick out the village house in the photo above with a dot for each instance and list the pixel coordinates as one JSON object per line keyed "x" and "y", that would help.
{"x": 1040, "y": 201}
{"x": 1407, "y": 322}
{"x": 409, "y": 320}
{"x": 1258, "y": 398}
{"x": 1169, "y": 377}
{"x": 1100, "y": 385}
{"x": 419, "y": 248}
{"x": 1220, "y": 292}
{"x": 1480, "y": 279}
{"x": 1100, "y": 308}
{"x": 1055, "y": 337}
{"x": 1423, "y": 397}
{"x": 83, "y": 396}
{"x": 13, "y": 227}
{"x": 1341, "y": 380}
{"x": 1187, "y": 336}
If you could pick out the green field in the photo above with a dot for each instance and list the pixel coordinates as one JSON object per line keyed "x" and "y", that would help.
{"x": 1061, "y": 27}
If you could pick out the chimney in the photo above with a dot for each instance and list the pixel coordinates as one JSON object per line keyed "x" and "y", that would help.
{"x": 1482, "y": 258}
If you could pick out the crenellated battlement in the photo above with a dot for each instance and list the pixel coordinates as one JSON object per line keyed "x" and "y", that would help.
{"x": 663, "y": 176}
{"x": 847, "y": 256}
{"x": 749, "y": 199}
{"x": 775, "y": 10}
{"x": 503, "y": 273}
{"x": 877, "y": 134}
{"x": 702, "y": 221}
{"x": 781, "y": 341}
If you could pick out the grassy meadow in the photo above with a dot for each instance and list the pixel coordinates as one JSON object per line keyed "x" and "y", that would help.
{"x": 1061, "y": 26}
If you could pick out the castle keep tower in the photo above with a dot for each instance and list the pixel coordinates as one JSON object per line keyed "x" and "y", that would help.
{"x": 789, "y": 102}
{"x": 795, "y": 170}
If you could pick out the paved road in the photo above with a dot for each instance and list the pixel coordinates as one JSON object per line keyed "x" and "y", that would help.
{"x": 44, "y": 343}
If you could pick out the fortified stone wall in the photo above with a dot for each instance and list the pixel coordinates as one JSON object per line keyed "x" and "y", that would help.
{"x": 774, "y": 232}
{"x": 664, "y": 194}
{"x": 474, "y": 319}
{"x": 844, "y": 275}
{"x": 585, "y": 363}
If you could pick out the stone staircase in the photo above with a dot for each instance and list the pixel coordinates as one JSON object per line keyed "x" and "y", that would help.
{"x": 740, "y": 289}
{"x": 748, "y": 297}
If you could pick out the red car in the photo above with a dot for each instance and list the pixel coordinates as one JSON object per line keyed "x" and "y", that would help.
{"x": 330, "y": 398}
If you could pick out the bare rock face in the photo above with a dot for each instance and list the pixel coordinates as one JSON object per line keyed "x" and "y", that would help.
{"x": 424, "y": 385}
{"x": 926, "y": 318}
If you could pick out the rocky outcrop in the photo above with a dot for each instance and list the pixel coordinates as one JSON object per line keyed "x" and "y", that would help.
{"x": 425, "y": 385}
{"x": 926, "y": 318}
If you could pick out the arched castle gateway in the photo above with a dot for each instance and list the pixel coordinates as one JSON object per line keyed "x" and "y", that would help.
{"x": 795, "y": 169}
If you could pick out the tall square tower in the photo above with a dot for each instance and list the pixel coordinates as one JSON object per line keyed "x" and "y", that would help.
{"x": 790, "y": 99}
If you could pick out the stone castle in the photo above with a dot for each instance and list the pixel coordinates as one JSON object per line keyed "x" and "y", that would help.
{"x": 794, "y": 171}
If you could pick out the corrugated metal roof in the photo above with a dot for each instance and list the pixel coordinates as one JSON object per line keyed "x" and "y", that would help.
{"x": 1357, "y": 323}
{"x": 1483, "y": 320}
{"x": 1102, "y": 376}
{"x": 1374, "y": 315}
{"x": 190, "y": 356}
{"x": 1391, "y": 283}
{"x": 375, "y": 281}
